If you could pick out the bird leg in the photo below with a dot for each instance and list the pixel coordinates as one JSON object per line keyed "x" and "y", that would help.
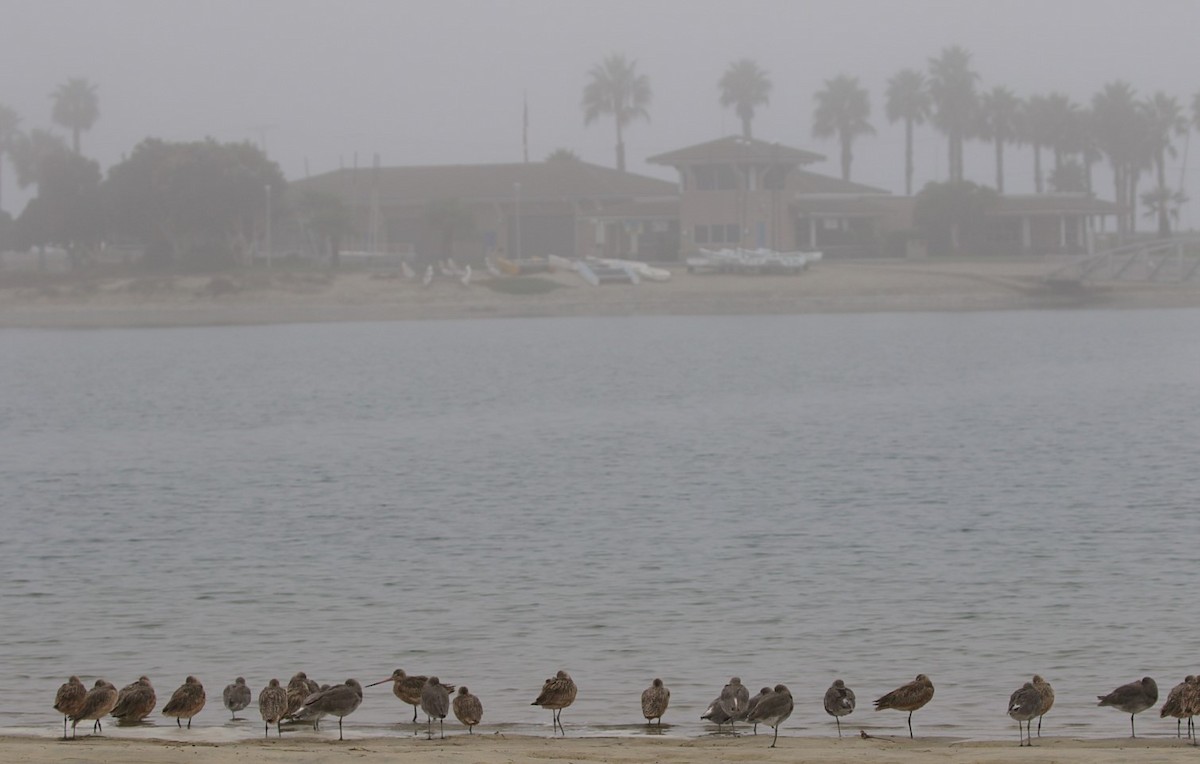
{"x": 340, "y": 729}
{"x": 839, "y": 724}
{"x": 776, "y": 736}
{"x": 1132, "y": 733}
{"x": 910, "y": 734}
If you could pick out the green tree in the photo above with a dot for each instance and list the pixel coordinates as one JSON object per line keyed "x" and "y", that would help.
{"x": 908, "y": 99}
{"x": 76, "y": 107}
{"x": 615, "y": 88}
{"x": 1116, "y": 125}
{"x": 843, "y": 108}
{"x": 10, "y": 131}
{"x": 953, "y": 216}
{"x": 952, "y": 88}
{"x": 1069, "y": 177}
{"x": 1164, "y": 120}
{"x": 30, "y": 149}
{"x": 999, "y": 115}
{"x": 450, "y": 219}
{"x": 68, "y": 210}
{"x": 744, "y": 86}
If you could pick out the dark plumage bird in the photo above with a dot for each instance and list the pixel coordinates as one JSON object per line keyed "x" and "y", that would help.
{"x": 1132, "y": 698}
{"x": 236, "y": 696}
{"x": 654, "y": 701}
{"x": 185, "y": 702}
{"x": 754, "y": 702}
{"x": 1023, "y": 705}
{"x": 839, "y": 702}
{"x": 69, "y": 699}
{"x": 557, "y": 693}
{"x": 736, "y": 697}
{"x": 435, "y": 702}
{"x": 773, "y": 709}
{"x": 1046, "y": 692}
{"x": 135, "y": 701}
{"x": 716, "y": 713}
{"x": 908, "y": 697}
{"x": 408, "y": 688}
{"x": 340, "y": 700}
{"x": 98, "y": 702}
{"x": 273, "y": 706}
{"x": 467, "y": 709}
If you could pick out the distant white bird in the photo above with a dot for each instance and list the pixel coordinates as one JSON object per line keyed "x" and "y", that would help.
{"x": 466, "y": 277}
{"x": 407, "y": 270}
{"x": 428, "y": 279}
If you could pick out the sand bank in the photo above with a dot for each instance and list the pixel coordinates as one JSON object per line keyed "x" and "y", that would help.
{"x": 283, "y": 296}
{"x": 499, "y": 749}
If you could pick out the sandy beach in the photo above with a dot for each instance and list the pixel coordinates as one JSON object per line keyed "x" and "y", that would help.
{"x": 31, "y": 300}
{"x": 502, "y": 749}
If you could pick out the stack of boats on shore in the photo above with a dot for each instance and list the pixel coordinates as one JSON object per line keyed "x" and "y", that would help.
{"x": 592, "y": 270}
{"x": 750, "y": 261}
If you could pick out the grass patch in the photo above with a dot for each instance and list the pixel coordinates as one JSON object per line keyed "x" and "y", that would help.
{"x": 522, "y": 285}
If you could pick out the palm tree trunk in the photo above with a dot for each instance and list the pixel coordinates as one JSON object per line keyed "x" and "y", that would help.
{"x": 746, "y": 126}
{"x": 999, "y": 166}
{"x": 620, "y": 149}
{"x": 1037, "y": 167}
{"x": 1164, "y": 219}
{"x": 847, "y": 156}
{"x": 908, "y": 156}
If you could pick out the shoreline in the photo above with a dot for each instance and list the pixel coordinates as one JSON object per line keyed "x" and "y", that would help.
{"x": 289, "y": 297}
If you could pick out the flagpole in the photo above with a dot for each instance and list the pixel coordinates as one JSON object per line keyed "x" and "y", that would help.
{"x": 525, "y": 126}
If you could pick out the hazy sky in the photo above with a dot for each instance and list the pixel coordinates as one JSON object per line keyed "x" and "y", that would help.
{"x": 441, "y": 81}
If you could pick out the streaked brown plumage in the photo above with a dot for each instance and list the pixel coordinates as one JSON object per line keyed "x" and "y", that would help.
{"x": 69, "y": 699}
{"x": 96, "y": 705}
{"x": 1132, "y": 698}
{"x": 273, "y": 706}
{"x": 1023, "y": 705}
{"x": 1174, "y": 704}
{"x": 339, "y": 700}
{"x": 135, "y": 701}
{"x": 557, "y": 693}
{"x": 908, "y": 697}
{"x": 435, "y": 702}
{"x": 185, "y": 702}
{"x": 299, "y": 687}
{"x": 236, "y": 696}
{"x": 408, "y": 688}
{"x": 467, "y": 709}
{"x": 839, "y": 701}
{"x": 773, "y": 709}
{"x": 654, "y": 701}
{"x": 1046, "y": 693}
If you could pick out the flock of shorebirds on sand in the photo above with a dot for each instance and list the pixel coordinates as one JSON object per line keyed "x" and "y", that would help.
{"x": 304, "y": 701}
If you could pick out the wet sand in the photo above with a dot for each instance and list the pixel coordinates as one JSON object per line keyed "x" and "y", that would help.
{"x": 298, "y": 296}
{"x": 500, "y": 749}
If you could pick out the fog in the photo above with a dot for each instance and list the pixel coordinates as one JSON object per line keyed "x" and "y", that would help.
{"x": 325, "y": 84}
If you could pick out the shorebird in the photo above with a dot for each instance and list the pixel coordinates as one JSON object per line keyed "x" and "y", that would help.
{"x": 185, "y": 702}
{"x": 467, "y": 709}
{"x": 1046, "y": 692}
{"x": 558, "y": 692}
{"x": 1176, "y": 705}
{"x": 435, "y": 702}
{"x": 339, "y": 700}
{"x": 135, "y": 701}
{"x": 299, "y": 687}
{"x": 236, "y": 696}
{"x": 716, "y": 713}
{"x": 69, "y": 699}
{"x": 754, "y": 702}
{"x": 408, "y": 688}
{"x": 96, "y": 705}
{"x": 1023, "y": 705}
{"x": 1132, "y": 698}
{"x": 736, "y": 698}
{"x": 273, "y": 705}
{"x": 773, "y": 709}
{"x": 654, "y": 701}
{"x": 839, "y": 702}
{"x": 908, "y": 697}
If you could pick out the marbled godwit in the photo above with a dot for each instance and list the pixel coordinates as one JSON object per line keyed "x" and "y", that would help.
{"x": 1174, "y": 704}
{"x": 273, "y": 705}
{"x": 467, "y": 709}
{"x": 654, "y": 701}
{"x": 135, "y": 701}
{"x": 96, "y": 705}
{"x": 558, "y": 692}
{"x": 69, "y": 699}
{"x": 839, "y": 702}
{"x": 773, "y": 709}
{"x": 236, "y": 696}
{"x": 185, "y": 702}
{"x": 435, "y": 702}
{"x": 736, "y": 698}
{"x": 1046, "y": 692}
{"x": 1023, "y": 705}
{"x": 299, "y": 687}
{"x": 754, "y": 702}
{"x": 1191, "y": 704}
{"x": 408, "y": 688}
{"x": 1132, "y": 698}
{"x": 908, "y": 697}
{"x": 716, "y": 713}
{"x": 339, "y": 700}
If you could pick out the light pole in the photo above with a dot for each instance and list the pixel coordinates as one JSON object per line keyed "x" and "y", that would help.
{"x": 267, "y": 243}
{"x": 517, "y": 192}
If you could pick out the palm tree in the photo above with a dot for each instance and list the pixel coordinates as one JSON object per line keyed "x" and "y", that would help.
{"x": 842, "y": 110}
{"x": 1037, "y": 129}
{"x": 744, "y": 86}
{"x": 616, "y": 88}
{"x": 908, "y": 100}
{"x": 76, "y": 107}
{"x": 1115, "y": 125}
{"x": 999, "y": 112}
{"x": 1164, "y": 119}
{"x": 952, "y": 87}
{"x": 9, "y": 131}
{"x": 562, "y": 154}
{"x": 1062, "y": 116}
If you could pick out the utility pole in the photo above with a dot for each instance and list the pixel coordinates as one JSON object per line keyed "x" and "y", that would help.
{"x": 267, "y": 243}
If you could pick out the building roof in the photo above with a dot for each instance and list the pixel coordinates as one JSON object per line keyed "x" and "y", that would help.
{"x": 840, "y": 206}
{"x": 1052, "y": 204}
{"x": 804, "y": 182}
{"x": 737, "y": 149}
{"x": 559, "y": 180}
{"x": 640, "y": 209}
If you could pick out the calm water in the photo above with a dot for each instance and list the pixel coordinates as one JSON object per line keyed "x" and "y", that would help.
{"x": 790, "y": 499}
